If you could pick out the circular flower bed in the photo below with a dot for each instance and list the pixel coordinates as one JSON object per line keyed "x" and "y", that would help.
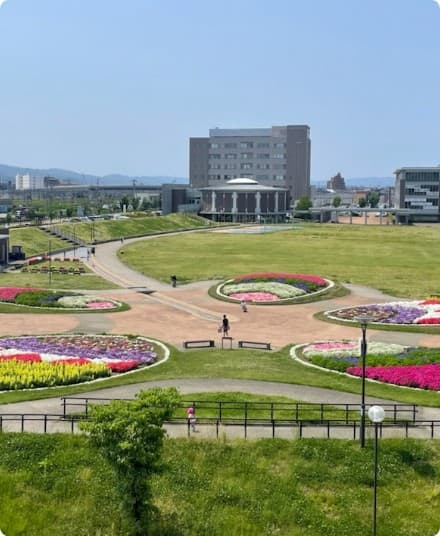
{"x": 35, "y": 297}
{"x": 425, "y": 312}
{"x": 29, "y": 362}
{"x": 388, "y": 363}
{"x": 272, "y": 287}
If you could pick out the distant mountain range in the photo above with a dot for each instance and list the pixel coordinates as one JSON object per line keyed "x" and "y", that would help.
{"x": 9, "y": 172}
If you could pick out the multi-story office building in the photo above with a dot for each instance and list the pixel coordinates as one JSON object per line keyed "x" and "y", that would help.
{"x": 28, "y": 182}
{"x": 336, "y": 183}
{"x": 418, "y": 189}
{"x": 277, "y": 156}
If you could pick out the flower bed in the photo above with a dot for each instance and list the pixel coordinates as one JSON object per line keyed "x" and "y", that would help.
{"x": 35, "y": 297}
{"x": 69, "y": 359}
{"x": 397, "y": 313}
{"x": 272, "y": 287}
{"x": 389, "y": 363}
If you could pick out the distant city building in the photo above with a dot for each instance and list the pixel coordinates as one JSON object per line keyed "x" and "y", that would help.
{"x": 277, "y": 156}
{"x": 32, "y": 182}
{"x": 418, "y": 189}
{"x": 28, "y": 182}
{"x": 336, "y": 183}
{"x": 244, "y": 200}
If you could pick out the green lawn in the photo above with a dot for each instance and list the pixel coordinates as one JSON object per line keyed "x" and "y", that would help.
{"x": 58, "y": 485}
{"x": 401, "y": 261}
{"x": 88, "y": 281}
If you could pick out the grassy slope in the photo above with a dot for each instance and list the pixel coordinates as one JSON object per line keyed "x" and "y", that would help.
{"x": 401, "y": 261}
{"x": 114, "y": 229}
{"x": 53, "y": 485}
{"x": 34, "y": 240}
{"x": 58, "y": 281}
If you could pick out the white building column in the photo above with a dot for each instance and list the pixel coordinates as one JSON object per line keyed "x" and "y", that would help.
{"x": 234, "y": 202}
{"x": 213, "y": 196}
{"x": 257, "y": 203}
{"x": 276, "y": 202}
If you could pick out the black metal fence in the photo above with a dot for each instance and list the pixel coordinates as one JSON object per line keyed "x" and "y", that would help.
{"x": 236, "y": 428}
{"x": 263, "y": 411}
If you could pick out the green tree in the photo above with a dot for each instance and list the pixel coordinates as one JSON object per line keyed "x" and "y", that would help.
{"x": 130, "y": 434}
{"x": 336, "y": 201}
{"x": 304, "y": 203}
{"x": 362, "y": 202}
{"x": 373, "y": 199}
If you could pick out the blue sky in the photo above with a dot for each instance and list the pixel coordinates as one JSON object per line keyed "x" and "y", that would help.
{"x": 106, "y": 86}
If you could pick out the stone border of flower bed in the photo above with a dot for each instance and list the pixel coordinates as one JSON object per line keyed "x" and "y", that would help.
{"x": 165, "y": 349}
{"x": 304, "y": 298}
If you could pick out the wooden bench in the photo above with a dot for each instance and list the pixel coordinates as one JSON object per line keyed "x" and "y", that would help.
{"x": 254, "y": 344}
{"x": 199, "y": 344}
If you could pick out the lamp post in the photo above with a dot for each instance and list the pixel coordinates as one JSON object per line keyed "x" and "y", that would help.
{"x": 50, "y": 263}
{"x": 363, "y": 321}
{"x": 376, "y": 415}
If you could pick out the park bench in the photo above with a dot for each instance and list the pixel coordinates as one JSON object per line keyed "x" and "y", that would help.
{"x": 254, "y": 344}
{"x": 199, "y": 344}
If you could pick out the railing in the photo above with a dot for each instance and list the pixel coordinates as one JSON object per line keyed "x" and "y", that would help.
{"x": 250, "y": 428}
{"x": 295, "y": 411}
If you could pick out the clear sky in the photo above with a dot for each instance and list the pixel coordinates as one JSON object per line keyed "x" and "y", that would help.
{"x": 119, "y": 86}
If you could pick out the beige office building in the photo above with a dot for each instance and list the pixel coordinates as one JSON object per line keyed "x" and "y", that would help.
{"x": 278, "y": 156}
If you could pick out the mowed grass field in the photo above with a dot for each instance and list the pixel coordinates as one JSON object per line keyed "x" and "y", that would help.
{"x": 398, "y": 260}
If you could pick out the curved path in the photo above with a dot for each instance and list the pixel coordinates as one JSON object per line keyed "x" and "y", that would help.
{"x": 188, "y": 312}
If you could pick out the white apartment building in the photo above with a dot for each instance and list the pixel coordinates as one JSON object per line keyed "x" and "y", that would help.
{"x": 28, "y": 182}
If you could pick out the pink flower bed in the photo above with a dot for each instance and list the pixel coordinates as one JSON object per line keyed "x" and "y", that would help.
{"x": 281, "y": 275}
{"x": 334, "y": 345}
{"x": 101, "y": 305}
{"x": 9, "y": 293}
{"x": 421, "y": 376}
{"x": 255, "y": 296}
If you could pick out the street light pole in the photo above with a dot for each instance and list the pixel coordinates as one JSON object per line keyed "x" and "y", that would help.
{"x": 363, "y": 321}
{"x": 50, "y": 263}
{"x": 376, "y": 415}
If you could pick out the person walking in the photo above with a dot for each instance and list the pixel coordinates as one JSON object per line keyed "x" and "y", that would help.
{"x": 225, "y": 326}
{"x": 243, "y": 306}
{"x": 191, "y": 416}
{"x": 173, "y": 281}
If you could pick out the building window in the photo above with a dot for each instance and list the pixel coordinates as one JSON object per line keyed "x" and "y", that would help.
{"x": 263, "y": 177}
{"x": 214, "y": 166}
{"x": 279, "y": 166}
{"x": 230, "y": 155}
{"x": 246, "y": 155}
{"x": 246, "y": 165}
{"x": 215, "y": 177}
{"x": 214, "y": 155}
{"x": 246, "y": 145}
{"x": 214, "y": 145}
{"x": 230, "y": 166}
{"x": 278, "y": 155}
{"x": 263, "y": 145}
{"x": 279, "y": 145}
{"x": 263, "y": 155}
{"x": 278, "y": 177}
{"x": 230, "y": 145}
{"x": 247, "y": 175}
{"x": 263, "y": 166}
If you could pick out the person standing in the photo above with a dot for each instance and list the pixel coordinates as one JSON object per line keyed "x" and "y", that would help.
{"x": 243, "y": 306}
{"x": 173, "y": 280}
{"x": 225, "y": 326}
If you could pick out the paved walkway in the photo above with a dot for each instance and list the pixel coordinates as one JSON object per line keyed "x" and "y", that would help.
{"x": 188, "y": 312}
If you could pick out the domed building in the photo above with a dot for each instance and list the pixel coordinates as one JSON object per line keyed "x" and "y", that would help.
{"x": 244, "y": 200}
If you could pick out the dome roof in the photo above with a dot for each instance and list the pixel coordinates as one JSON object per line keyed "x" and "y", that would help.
{"x": 242, "y": 180}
